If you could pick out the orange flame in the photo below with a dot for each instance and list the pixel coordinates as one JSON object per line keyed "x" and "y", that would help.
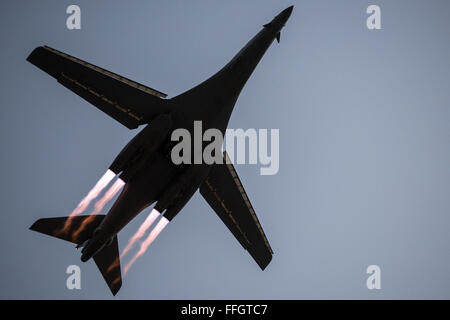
{"x": 83, "y": 225}
{"x": 141, "y": 231}
{"x": 116, "y": 280}
{"x": 84, "y": 203}
{"x": 99, "y": 206}
{"x": 148, "y": 241}
{"x": 113, "y": 265}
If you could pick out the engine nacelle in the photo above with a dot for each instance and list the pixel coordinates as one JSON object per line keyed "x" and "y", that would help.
{"x": 181, "y": 190}
{"x": 139, "y": 149}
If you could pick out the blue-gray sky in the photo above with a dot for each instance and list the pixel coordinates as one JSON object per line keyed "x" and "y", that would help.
{"x": 364, "y": 147}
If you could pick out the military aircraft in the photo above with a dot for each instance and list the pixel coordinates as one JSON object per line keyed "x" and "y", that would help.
{"x": 144, "y": 167}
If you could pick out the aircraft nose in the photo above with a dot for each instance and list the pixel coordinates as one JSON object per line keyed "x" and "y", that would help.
{"x": 286, "y": 13}
{"x": 289, "y": 10}
{"x": 283, "y": 16}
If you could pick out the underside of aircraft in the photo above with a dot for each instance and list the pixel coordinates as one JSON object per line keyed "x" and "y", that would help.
{"x": 145, "y": 159}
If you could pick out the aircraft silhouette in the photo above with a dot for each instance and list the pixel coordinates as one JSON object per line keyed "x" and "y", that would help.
{"x": 146, "y": 171}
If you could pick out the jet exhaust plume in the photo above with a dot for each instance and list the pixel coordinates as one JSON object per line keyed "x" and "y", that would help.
{"x": 154, "y": 214}
{"x": 148, "y": 241}
{"x": 86, "y": 201}
{"x": 99, "y": 205}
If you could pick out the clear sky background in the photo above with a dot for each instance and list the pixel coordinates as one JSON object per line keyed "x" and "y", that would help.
{"x": 364, "y": 147}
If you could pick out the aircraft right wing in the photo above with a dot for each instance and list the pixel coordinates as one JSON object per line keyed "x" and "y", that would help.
{"x": 223, "y": 191}
{"x": 127, "y": 101}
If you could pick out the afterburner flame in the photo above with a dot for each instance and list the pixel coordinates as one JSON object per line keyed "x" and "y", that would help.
{"x": 141, "y": 231}
{"x": 86, "y": 201}
{"x": 99, "y": 205}
{"x": 148, "y": 241}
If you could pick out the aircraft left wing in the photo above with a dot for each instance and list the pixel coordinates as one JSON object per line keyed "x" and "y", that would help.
{"x": 126, "y": 101}
{"x": 223, "y": 191}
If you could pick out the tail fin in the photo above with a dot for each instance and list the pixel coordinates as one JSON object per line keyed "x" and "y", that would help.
{"x": 78, "y": 229}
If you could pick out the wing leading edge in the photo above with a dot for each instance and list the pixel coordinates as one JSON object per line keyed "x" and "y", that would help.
{"x": 224, "y": 192}
{"x": 127, "y": 101}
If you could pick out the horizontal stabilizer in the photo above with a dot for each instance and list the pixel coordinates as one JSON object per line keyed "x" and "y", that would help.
{"x": 78, "y": 229}
{"x": 108, "y": 262}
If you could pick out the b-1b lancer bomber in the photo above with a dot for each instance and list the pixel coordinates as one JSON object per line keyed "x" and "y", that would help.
{"x": 144, "y": 168}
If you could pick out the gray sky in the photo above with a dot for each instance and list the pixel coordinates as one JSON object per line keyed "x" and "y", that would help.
{"x": 364, "y": 147}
